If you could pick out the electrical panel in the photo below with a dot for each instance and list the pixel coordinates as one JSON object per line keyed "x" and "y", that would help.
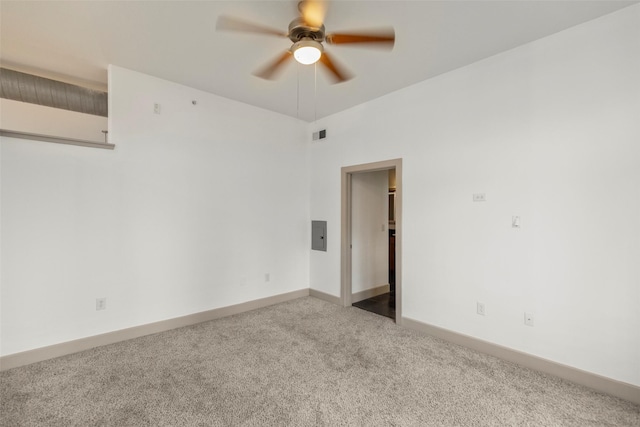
{"x": 319, "y": 235}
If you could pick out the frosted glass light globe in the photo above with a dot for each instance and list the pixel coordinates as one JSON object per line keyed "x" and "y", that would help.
{"x": 307, "y": 51}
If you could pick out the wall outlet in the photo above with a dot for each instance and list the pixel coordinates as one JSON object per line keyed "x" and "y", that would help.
{"x": 528, "y": 319}
{"x": 156, "y": 108}
{"x": 267, "y": 277}
{"x": 101, "y": 303}
{"x": 480, "y": 308}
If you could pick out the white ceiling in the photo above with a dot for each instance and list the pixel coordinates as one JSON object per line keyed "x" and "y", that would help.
{"x": 177, "y": 41}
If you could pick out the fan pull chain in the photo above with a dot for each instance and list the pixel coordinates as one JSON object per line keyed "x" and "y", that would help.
{"x": 315, "y": 92}
{"x": 298, "y": 91}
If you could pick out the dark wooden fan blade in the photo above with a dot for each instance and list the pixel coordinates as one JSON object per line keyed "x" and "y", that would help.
{"x": 270, "y": 70}
{"x": 339, "y": 73}
{"x": 383, "y": 38}
{"x": 228, "y": 23}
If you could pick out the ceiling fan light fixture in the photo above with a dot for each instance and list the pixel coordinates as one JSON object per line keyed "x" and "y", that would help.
{"x": 307, "y": 51}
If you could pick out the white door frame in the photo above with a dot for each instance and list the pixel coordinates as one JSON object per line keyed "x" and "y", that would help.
{"x": 346, "y": 209}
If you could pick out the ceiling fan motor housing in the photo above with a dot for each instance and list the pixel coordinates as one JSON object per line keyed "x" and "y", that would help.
{"x": 299, "y": 30}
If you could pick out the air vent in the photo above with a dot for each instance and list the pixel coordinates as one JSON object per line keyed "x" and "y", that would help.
{"x": 322, "y": 134}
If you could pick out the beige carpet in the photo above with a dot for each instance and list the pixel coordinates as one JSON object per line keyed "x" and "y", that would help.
{"x": 301, "y": 363}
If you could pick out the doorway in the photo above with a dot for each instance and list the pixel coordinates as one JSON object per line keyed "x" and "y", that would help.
{"x": 393, "y": 233}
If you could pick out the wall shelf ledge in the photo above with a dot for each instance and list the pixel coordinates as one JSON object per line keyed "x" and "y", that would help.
{"x": 55, "y": 139}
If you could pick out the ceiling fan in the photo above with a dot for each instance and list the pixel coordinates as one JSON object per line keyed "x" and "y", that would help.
{"x": 307, "y": 33}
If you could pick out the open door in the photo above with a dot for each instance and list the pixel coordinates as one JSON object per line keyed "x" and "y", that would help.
{"x": 347, "y": 228}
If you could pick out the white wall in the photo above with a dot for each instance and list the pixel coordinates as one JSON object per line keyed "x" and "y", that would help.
{"x": 188, "y": 213}
{"x": 196, "y": 204}
{"x": 41, "y": 120}
{"x": 548, "y": 131}
{"x": 369, "y": 230}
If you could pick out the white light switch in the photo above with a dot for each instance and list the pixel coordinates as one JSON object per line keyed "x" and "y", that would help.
{"x": 480, "y": 308}
{"x": 515, "y": 221}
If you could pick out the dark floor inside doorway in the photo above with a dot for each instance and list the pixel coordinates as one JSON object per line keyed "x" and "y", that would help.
{"x": 383, "y": 304}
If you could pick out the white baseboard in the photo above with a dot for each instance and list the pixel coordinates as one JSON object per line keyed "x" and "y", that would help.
{"x": 370, "y": 293}
{"x": 49, "y": 352}
{"x": 325, "y": 297}
{"x": 599, "y": 383}
{"x": 596, "y": 382}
